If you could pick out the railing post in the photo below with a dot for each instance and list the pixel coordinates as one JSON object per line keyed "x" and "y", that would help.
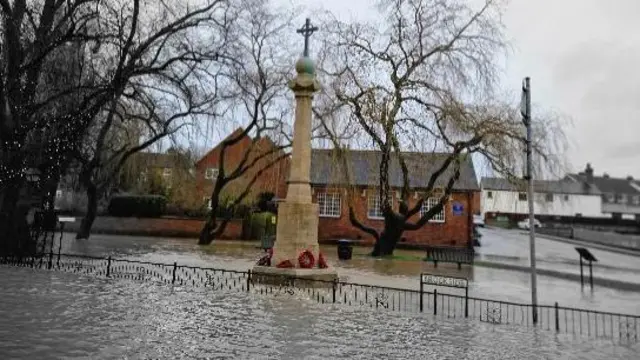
{"x": 109, "y": 266}
{"x": 421, "y": 294}
{"x": 249, "y": 280}
{"x": 335, "y": 287}
{"x": 557, "y": 317}
{"x": 50, "y": 265}
{"x": 175, "y": 267}
{"x": 466, "y": 302}
{"x": 435, "y": 301}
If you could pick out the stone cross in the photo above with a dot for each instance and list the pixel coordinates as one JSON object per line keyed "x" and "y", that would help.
{"x": 306, "y": 31}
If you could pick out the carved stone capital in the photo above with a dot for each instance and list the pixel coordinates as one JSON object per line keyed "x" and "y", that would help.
{"x": 304, "y": 85}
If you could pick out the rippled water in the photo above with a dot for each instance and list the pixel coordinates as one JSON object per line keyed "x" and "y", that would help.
{"x": 48, "y": 315}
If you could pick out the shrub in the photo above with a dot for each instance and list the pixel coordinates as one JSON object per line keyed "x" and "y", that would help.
{"x": 137, "y": 206}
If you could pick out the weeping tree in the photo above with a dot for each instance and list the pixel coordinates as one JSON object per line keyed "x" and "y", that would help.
{"x": 257, "y": 93}
{"x": 433, "y": 90}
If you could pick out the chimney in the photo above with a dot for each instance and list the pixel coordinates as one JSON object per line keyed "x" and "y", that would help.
{"x": 605, "y": 175}
{"x": 629, "y": 178}
{"x": 589, "y": 173}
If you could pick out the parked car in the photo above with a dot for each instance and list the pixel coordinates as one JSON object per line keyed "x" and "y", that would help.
{"x": 524, "y": 224}
{"x": 478, "y": 220}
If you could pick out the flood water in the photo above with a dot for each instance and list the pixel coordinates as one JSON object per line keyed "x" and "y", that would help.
{"x": 51, "y": 315}
{"x": 55, "y": 315}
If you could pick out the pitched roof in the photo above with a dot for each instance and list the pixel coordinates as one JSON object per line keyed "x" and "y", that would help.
{"x": 610, "y": 185}
{"x": 235, "y": 132}
{"x": 540, "y": 186}
{"x": 365, "y": 169}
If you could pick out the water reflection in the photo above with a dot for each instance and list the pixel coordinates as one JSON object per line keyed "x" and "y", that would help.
{"x": 484, "y": 282}
{"x": 57, "y": 315}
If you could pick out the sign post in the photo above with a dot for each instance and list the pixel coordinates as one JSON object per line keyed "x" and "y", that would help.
{"x": 447, "y": 281}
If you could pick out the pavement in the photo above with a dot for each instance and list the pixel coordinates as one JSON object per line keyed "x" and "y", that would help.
{"x": 511, "y": 248}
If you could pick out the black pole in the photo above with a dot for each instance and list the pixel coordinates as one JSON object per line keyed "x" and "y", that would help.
{"x": 109, "y": 266}
{"x": 60, "y": 242}
{"x": 435, "y": 301}
{"x": 591, "y": 274}
{"x": 421, "y": 294}
{"x": 581, "y": 275}
{"x": 466, "y": 302}
{"x": 175, "y": 267}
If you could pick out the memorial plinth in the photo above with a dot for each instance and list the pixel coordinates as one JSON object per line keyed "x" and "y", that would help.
{"x": 296, "y": 253}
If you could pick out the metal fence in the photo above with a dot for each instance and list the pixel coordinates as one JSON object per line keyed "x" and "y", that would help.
{"x": 595, "y": 324}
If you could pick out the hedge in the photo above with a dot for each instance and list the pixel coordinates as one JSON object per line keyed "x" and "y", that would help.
{"x": 137, "y": 206}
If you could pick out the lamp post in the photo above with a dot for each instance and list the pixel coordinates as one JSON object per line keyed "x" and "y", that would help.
{"x": 525, "y": 109}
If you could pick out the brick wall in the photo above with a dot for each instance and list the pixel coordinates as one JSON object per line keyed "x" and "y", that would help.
{"x": 168, "y": 227}
{"x": 272, "y": 179}
{"x": 455, "y": 231}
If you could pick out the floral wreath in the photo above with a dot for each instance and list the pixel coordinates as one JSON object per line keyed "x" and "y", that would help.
{"x": 306, "y": 260}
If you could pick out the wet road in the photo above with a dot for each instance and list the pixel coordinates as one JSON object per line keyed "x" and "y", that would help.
{"x": 51, "y": 315}
{"x": 484, "y": 282}
{"x": 512, "y": 246}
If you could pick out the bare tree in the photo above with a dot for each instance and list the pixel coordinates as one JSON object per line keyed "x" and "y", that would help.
{"x": 167, "y": 75}
{"x": 422, "y": 80}
{"x": 257, "y": 82}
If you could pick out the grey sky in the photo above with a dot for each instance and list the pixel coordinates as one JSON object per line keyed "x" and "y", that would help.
{"x": 583, "y": 57}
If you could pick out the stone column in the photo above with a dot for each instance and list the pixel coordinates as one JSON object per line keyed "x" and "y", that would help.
{"x": 297, "y": 228}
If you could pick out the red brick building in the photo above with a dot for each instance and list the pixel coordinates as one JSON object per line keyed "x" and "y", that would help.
{"x": 451, "y": 227}
{"x": 273, "y": 179}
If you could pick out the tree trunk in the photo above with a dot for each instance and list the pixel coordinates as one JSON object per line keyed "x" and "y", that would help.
{"x": 212, "y": 230}
{"x": 389, "y": 238}
{"x": 92, "y": 210}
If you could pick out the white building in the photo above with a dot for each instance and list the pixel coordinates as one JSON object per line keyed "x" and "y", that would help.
{"x": 557, "y": 198}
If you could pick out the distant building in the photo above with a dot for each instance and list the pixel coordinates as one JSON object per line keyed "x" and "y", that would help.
{"x": 451, "y": 227}
{"x": 620, "y": 196}
{"x": 263, "y": 151}
{"x": 553, "y": 198}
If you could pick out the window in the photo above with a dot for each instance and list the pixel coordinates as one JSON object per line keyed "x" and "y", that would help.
{"x": 211, "y": 173}
{"x": 548, "y": 197}
{"x": 636, "y": 200}
{"x": 621, "y": 198}
{"x": 207, "y": 201}
{"x": 329, "y": 204}
{"x": 374, "y": 209}
{"x": 522, "y": 196}
{"x": 427, "y": 205}
{"x": 566, "y": 198}
{"x": 166, "y": 172}
{"x": 610, "y": 198}
{"x": 489, "y": 194}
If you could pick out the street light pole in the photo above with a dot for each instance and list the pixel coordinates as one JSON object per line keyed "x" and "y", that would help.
{"x": 526, "y": 119}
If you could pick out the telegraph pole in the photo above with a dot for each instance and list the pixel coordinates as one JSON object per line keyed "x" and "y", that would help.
{"x": 525, "y": 109}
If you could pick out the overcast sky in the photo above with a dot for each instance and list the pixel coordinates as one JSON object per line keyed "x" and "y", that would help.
{"x": 583, "y": 57}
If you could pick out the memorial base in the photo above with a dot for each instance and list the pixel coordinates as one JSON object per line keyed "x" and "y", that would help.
{"x": 304, "y": 278}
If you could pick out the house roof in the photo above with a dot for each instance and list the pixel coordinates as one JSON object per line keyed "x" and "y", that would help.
{"x": 364, "y": 165}
{"x": 608, "y": 184}
{"x": 540, "y": 186}
{"x": 263, "y": 141}
{"x": 235, "y": 132}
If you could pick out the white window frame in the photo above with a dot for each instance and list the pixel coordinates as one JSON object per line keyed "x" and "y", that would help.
{"x": 207, "y": 201}
{"x": 489, "y": 194}
{"x": 428, "y": 204}
{"x": 329, "y": 204}
{"x": 522, "y": 195}
{"x": 611, "y": 198}
{"x": 211, "y": 173}
{"x": 548, "y": 197}
{"x": 374, "y": 212}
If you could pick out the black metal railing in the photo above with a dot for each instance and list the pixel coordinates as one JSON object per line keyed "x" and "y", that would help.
{"x": 619, "y": 327}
